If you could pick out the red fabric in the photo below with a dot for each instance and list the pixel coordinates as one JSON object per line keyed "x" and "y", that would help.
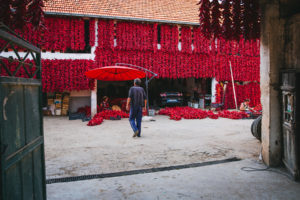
{"x": 115, "y": 73}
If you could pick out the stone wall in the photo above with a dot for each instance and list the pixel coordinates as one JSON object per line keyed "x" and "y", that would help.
{"x": 280, "y": 48}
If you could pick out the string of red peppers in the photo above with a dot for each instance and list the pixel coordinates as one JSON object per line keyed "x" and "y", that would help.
{"x": 66, "y": 75}
{"x": 215, "y": 19}
{"x": 59, "y": 34}
{"x": 168, "y": 62}
{"x": 106, "y": 114}
{"x": 177, "y": 113}
{"x": 248, "y": 91}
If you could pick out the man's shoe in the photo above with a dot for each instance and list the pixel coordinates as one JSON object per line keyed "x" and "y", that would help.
{"x": 135, "y": 133}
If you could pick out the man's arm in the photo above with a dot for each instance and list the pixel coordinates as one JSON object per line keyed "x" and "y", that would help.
{"x": 145, "y": 108}
{"x": 145, "y": 99}
{"x": 127, "y": 104}
{"x": 242, "y": 107}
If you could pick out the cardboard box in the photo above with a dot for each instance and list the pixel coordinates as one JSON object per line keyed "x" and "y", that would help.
{"x": 58, "y": 96}
{"x": 64, "y": 112}
{"x": 50, "y": 101}
{"x": 47, "y": 112}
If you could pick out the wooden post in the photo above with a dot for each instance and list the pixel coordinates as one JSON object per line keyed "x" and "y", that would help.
{"x": 236, "y": 107}
{"x": 94, "y": 100}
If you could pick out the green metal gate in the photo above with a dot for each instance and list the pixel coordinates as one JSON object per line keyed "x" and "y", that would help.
{"x": 22, "y": 162}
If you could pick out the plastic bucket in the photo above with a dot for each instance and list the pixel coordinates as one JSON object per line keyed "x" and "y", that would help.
{"x": 151, "y": 112}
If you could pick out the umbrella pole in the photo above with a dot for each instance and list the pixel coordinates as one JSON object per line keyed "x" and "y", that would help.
{"x": 146, "y": 70}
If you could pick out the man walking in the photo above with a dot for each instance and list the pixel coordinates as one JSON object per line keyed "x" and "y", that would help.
{"x": 136, "y": 99}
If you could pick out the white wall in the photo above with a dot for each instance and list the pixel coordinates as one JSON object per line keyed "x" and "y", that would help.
{"x": 214, "y": 82}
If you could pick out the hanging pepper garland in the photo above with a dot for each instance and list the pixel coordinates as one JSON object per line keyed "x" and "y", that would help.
{"x": 66, "y": 75}
{"x": 106, "y": 34}
{"x": 245, "y": 19}
{"x": 201, "y": 43}
{"x": 186, "y": 40}
{"x": 59, "y": 34}
{"x": 134, "y": 36}
{"x": 92, "y": 32}
{"x": 169, "y": 38}
{"x": 204, "y": 15}
{"x": 215, "y": 19}
{"x": 17, "y": 13}
{"x": 168, "y": 62}
{"x": 154, "y": 31}
{"x": 227, "y": 23}
{"x": 13, "y": 65}
{"x": 236, "y": 9}
{"x": 248, "y": 91}
{"x": 255, "y": 19}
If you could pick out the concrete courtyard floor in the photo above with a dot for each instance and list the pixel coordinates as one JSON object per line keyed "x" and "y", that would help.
{"x": 221, "y": 181}
{"x": 74, "y": 149}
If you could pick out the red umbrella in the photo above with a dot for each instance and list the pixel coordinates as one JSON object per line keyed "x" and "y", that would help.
{"x": 115, "y": 73}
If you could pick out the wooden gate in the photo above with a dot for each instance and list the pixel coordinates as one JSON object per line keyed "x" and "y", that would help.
{"x": 22, "y": 162}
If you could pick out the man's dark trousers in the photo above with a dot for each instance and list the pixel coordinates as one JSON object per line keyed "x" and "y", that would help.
{"x": 135, "y": 118}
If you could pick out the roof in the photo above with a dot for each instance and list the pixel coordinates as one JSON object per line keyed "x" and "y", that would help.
{"x": 168, "y": 11}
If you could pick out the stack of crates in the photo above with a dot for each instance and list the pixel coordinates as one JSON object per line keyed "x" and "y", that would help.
{"x": 57, "y": 103}
{"x": 65, "y": 105}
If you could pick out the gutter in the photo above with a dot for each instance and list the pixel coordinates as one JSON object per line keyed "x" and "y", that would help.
{"x": 122, "y": 18}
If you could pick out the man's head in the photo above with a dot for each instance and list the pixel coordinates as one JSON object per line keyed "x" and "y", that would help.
{"x": 137, "y": 82}
{"x": 247, "y": 101}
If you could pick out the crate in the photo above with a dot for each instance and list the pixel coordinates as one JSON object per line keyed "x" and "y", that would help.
{"x": 64, "y": 112}
{"x": 50, "y": 102}
{"x": 151, "y": 112}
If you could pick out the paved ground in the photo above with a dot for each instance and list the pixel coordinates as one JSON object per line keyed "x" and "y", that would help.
{"x": 221, "y": 181}
{"x": 72, "y": 148}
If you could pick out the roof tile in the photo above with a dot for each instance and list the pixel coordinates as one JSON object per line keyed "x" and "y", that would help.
{"x": 185, "y": 11}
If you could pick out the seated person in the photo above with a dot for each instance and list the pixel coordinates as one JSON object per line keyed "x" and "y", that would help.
{"x": 245, "y": 105}
{"x": 246, "y": 108}
{"x": 104, "y": 105}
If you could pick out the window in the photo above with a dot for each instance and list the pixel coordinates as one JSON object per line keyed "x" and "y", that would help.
{"x": 158, "y": 33}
